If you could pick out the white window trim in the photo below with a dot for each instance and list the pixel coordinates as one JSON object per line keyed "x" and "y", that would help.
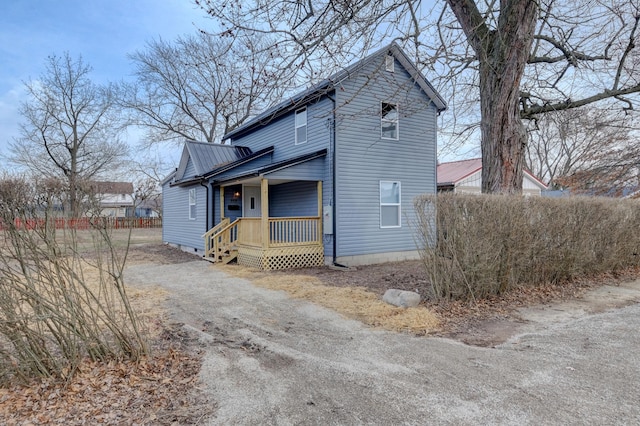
{"x": 397, "y": 121}
{"x": 389, "y": 63}
{"x": 398, "y": 204}
{"x": 192, "y": 202}
{"x": 306, "y": 135}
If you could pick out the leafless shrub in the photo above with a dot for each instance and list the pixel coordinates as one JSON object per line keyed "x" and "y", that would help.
{"x": 485, "y": 245}
{"x": 58, "y": 304}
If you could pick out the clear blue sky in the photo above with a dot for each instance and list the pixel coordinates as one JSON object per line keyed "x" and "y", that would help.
{"x": 102, "y": 31}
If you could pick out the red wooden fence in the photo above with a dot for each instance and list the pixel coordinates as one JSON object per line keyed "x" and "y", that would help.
{"x": 89, "y": 222}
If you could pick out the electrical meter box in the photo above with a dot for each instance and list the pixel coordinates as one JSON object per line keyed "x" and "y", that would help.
{"x": 327, "y": 220}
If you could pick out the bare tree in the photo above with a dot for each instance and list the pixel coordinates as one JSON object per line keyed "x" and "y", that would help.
{"x": 147, "y": 172}
{"x": 521, "y": 58}
{"x": 200, "y": 86}
{"x": 69, "y": 127}
{"x": 565, "y": 142}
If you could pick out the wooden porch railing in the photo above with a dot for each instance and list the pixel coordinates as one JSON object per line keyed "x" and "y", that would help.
{"x": 250, "y": 231}
{"x": 211, "y": 235}
{"x": 293, "y": 231}
{"x": 247, "y": 231}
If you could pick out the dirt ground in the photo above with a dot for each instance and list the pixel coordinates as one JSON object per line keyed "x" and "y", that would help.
{"x": 271, "y": 358}
{"x": 249, "y": 329}
{"x": 483, "y": 323}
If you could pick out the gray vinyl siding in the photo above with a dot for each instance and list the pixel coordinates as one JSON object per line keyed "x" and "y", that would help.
{"x": 311, "y": 170}
{"x": 280, "y": 133}
{"x": 177, "y": 228}
{"x": 364, "y": 159}
{"x": 190, "y": 169}
{"x": 293, "y": 199}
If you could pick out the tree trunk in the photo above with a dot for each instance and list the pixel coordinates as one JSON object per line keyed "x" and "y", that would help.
{"x": 504, "y": 137}
{"x": 502, "y": 54}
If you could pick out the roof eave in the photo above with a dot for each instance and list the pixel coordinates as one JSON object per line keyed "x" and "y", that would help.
{"x": 239, "y": 162}
{"x": 270, "y": 168}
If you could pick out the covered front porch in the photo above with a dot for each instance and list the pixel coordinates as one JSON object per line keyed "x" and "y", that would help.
{"x": 248, "y": 233}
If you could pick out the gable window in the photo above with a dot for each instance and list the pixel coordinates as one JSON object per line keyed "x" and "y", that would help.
{"x": 390, "y": 204}
{"x": 301, "y": 126}
{"x": 389, "y": 63}
{"x": 389, "y": 121}
{"x": 192, "y": 204}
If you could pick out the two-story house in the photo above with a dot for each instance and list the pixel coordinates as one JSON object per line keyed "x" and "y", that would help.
{"x": 326, "y": 176}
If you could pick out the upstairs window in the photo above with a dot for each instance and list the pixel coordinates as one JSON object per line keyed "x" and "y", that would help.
{"x": 389, "y": 204}
{"x": 301, "y": 126}
{"x": 192, "y": 204}
{"x": 389, "y": 63}
{"x": 389, "y": 121}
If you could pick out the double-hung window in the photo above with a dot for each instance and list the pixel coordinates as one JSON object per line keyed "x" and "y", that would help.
{"x": 389, "y": 121}
{"x": 192, "y": 204}
{"x": 301, "y": 126}
{"x": 390, "y": 204}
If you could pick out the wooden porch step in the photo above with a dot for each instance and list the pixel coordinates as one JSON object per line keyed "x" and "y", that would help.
{"x": 226, "y": 258}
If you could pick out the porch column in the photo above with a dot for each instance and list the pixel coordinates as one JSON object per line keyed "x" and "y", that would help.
{"x": 319, "y": 190}
{"x": 264, "y": 207}
{"x": 221, "y": 203}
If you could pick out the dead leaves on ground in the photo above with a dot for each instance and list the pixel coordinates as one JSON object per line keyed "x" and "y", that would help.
{"x": 158, "y": 390}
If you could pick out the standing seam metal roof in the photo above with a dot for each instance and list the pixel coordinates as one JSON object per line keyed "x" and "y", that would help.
{"x": 207, "y": 156}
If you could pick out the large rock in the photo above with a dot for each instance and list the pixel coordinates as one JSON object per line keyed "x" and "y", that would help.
{"x": 401, "y": 298}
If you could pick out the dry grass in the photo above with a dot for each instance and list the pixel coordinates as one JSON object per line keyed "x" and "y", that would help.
{"x": 148, "y": 302}
{"x": 353, "y": 302}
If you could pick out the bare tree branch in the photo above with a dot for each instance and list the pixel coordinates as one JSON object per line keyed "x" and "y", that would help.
{"x": 69, "y": 126}
{"x": 200, "y": 87}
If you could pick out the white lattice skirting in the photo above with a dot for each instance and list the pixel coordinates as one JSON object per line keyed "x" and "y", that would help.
{"x": 281, "y": 257}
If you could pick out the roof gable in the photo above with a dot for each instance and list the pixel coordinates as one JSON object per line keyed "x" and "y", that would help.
{"x": 317, "y": 90}
{"x": 454, "y": 171}
{"x": 207, "y": 156}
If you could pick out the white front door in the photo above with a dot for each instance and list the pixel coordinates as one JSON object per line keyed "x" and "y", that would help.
{"x": 251, "y": 202}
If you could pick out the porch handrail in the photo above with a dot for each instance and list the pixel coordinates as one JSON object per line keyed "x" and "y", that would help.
{"x": 210, "y": 234}
{"x": 226, "y": 236}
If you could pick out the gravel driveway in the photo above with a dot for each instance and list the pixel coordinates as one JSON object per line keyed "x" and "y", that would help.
{"x": 275, "y": 360}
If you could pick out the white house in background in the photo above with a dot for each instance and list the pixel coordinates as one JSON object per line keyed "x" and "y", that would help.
{"x": 465, "y": 176}
{"x": 116, "y": 198}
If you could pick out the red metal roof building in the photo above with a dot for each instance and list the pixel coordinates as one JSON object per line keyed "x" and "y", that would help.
{"x": 466, "y": 176}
